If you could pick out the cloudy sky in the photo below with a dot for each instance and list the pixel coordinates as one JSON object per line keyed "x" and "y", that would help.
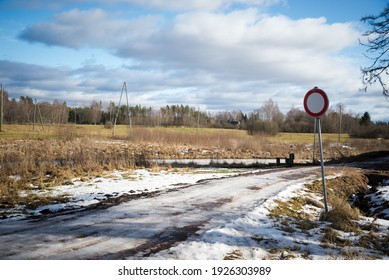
{"x": 212, "y": 54}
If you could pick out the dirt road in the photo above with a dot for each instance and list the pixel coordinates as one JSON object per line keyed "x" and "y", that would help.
{"x": 138, "y": 228}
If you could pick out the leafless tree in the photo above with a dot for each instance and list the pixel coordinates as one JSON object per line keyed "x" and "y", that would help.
{"x": 340, "y": 110}
{"x": 96, "y": 111}
{"x": 377, "y": 43}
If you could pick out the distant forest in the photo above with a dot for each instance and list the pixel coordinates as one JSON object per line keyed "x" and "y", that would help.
{"x": 267, "y": 119}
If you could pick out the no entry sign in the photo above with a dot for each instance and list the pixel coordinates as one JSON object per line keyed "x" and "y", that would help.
{"x": 316, "y": 102}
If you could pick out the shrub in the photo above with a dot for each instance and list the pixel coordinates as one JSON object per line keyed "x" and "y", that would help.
{"x": 372, "y": 131}
{"x": 108, "y": 125}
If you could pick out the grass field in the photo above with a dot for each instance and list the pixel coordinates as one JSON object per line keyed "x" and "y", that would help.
{"x": 309, "y": 137}
{"x": 230, "y": 142}
{"x": 57, "y": 131}
{"x": 226, "y": 143}
{"x": 99, "y": 131}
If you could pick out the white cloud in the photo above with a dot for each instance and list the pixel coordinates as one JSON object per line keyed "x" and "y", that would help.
{"x": 208, "y": 57}
{"x": 188, "y": 5}
{"x": 163, "y": 5}
{"x": 242, "y": 43}
{"x": 248, "y": 45}
{"x": 91, "y": 28}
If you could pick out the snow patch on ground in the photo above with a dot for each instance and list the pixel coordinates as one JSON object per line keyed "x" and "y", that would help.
{"x": 257, "y": 235}
{"x": 83, "y": 192}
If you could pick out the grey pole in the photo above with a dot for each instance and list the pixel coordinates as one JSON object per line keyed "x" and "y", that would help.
{"x": 117, "y": 113}
{"x": 322, "y": 165}
{"x": 33, "y": 124}
{"x": 314, "y": 142}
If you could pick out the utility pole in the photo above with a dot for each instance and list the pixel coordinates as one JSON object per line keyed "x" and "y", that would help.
{"x": 198, "y": 119}
{"x": 36, "y": 107}
{"x": 33, "y": 124}
{"x": 124, "y": 89}
{"x": 1, "y": 107}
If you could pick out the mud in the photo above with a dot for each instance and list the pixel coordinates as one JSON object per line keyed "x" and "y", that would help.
{"x": 159, "y": 242}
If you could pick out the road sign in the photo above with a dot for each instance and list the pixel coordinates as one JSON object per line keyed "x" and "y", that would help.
{"x": 316, "y": 102}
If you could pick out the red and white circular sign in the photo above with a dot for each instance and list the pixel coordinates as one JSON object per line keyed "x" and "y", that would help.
{"x": 316, "y": 102}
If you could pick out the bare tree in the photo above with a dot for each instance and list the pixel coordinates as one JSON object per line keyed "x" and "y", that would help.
{"x": 271, "y": 113}
{"x": 340, "y": 110}
{"x": 96, "y": 111}
{"x": 377, "y": 50}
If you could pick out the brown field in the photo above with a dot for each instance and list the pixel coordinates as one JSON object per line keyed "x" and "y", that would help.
{"x": 35, "y": 156}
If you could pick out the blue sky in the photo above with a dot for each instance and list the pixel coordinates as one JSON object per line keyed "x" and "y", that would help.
{"x": 217, "y": 55}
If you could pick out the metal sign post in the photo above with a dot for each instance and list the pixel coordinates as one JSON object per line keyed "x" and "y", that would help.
{"x": 314, "y": 142}
{"x": 322, "y": 164}
{"x": 316, "y": 104}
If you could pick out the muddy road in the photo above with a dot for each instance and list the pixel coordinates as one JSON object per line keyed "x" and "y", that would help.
{"x": 140, "y": 227}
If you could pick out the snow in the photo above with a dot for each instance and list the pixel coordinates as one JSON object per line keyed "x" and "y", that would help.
{"x": 384, "y": 190}
{"x": 243, "y": 234}
{"x": 379, "y": 198}
{"x": 83, "y": 192}
{"x": 239, "y": 229}
{"x": 238, "y": 234}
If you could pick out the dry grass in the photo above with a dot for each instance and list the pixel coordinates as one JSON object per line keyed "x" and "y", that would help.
{"x": 57, "y": 154}
{"x": 290, "y": 214}
{"x": 352, "y": 182}
{"x": 290, "y": 208}
{"x": 346, "y": 218}
{"x": 61, "y": 153}
{"x": 342, "y": 216}
{"x": 341, "y": 219}
{"x": 234, "y": 255}
{"x": 307, "y": 138}
{"x": 203, "y": 143}
{"x": 331, "y": 236}
{"x": 33, "y": 200}
{"x": 45, "y": 163}
{"x": 279, "y": 145}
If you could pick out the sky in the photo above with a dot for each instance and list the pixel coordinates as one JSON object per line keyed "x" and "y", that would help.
{"x": 219, "y": 55}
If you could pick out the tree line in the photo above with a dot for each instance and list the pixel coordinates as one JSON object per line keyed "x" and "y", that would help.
{"x": 267, "y": 119}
